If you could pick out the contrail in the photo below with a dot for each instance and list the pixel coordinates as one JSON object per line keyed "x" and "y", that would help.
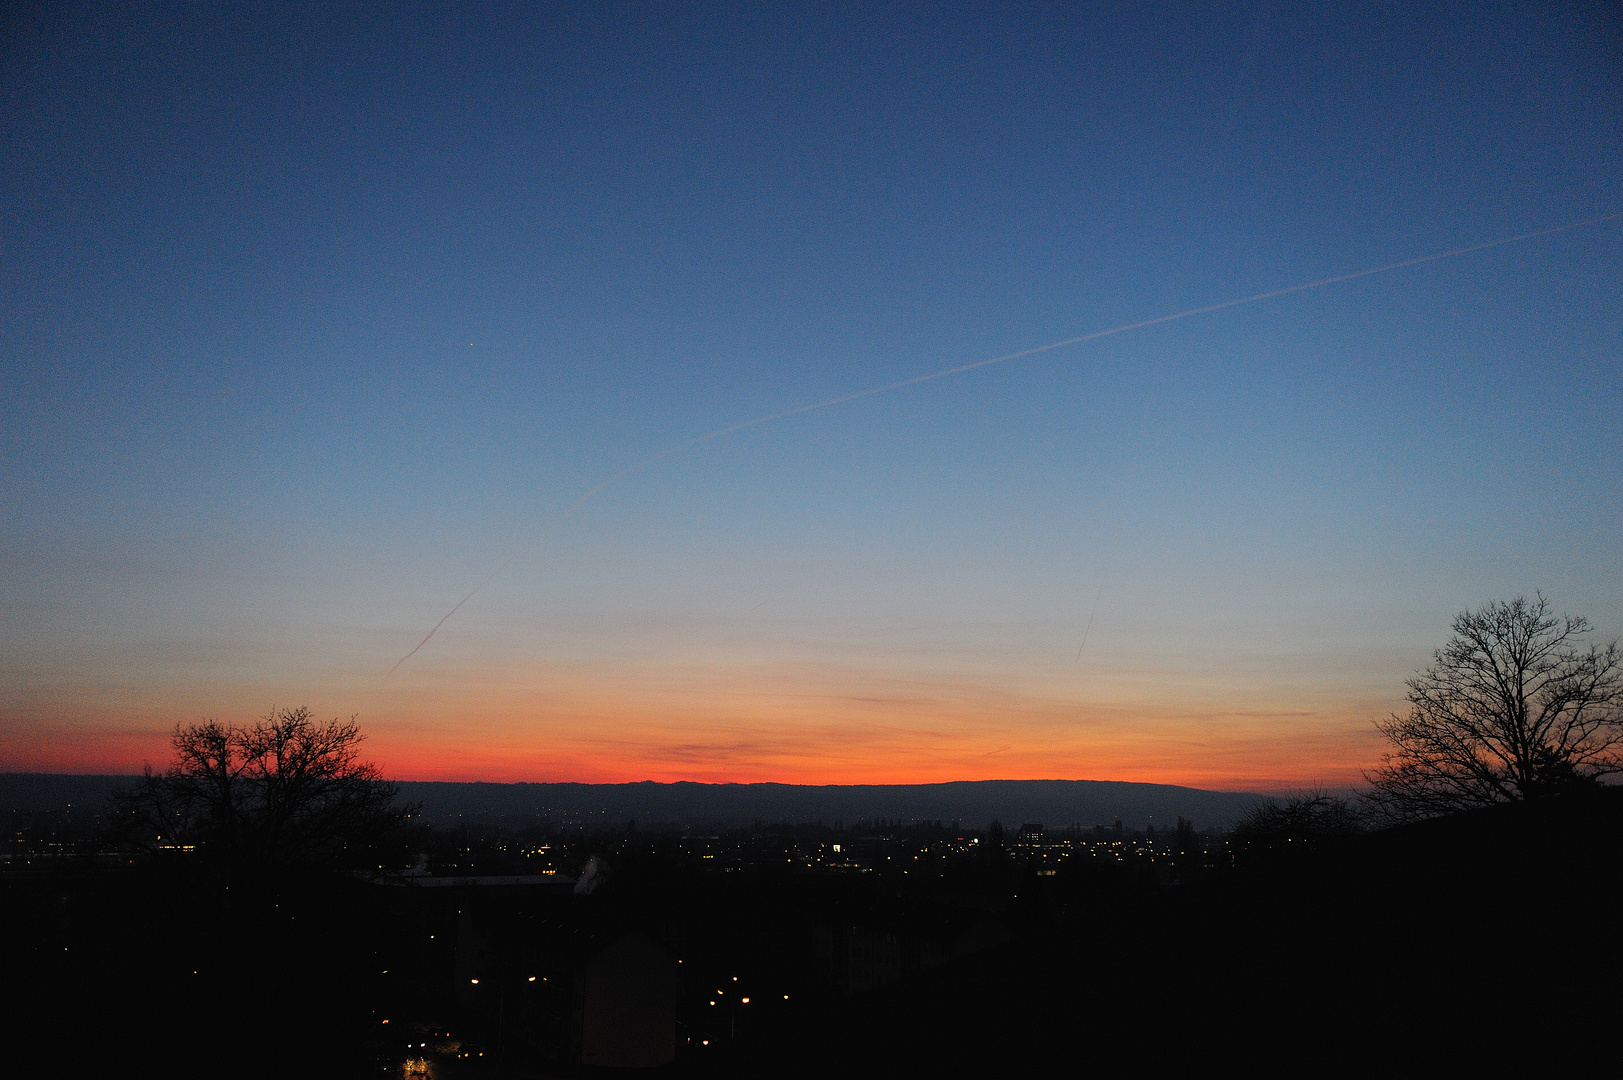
{"x": 1005, "y": 358}
{"x": 1085, "y": 629}
{"x": 510, "y": 561}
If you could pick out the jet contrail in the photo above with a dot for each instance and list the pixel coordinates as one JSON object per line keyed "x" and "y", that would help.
{"x": 1085, "y": 629}
{"x": 510, "y": 561}
{"x": 1005, "y": 358}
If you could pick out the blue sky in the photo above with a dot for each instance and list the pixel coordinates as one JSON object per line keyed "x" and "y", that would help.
{"x": 311, "y": 320}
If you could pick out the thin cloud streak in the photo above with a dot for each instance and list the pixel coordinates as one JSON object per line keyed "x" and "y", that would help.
{"x": 491, "y": 577}
{"x": 961, "y": 369}
{"x": 1087, "y": 629}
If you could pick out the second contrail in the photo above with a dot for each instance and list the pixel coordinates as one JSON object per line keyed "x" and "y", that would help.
{"x": 1005, "y": 358}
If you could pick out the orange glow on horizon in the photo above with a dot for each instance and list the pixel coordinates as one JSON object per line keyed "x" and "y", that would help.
{"x": 797, "y": 723}
{"x": 1208, "y": 751}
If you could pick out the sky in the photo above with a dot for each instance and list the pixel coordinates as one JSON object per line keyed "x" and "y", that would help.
{"x": 313, "y": 320}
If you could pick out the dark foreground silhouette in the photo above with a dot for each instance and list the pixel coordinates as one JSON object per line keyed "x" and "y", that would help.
{"x": 1478, "y": 939}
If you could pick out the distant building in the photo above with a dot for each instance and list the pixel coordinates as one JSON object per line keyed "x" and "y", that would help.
{"x": 1031, "y": 833}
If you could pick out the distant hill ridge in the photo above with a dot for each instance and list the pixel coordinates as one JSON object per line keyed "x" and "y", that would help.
{"x": 973, "y": 803}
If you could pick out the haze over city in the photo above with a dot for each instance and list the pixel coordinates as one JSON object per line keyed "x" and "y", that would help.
{"x": 318, "y": 328}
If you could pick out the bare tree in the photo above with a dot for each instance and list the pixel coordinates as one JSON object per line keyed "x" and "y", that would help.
{"x": 287, "y": 794}
{"x": 1304, "y": 817}
{"x": 1512, "y": 708}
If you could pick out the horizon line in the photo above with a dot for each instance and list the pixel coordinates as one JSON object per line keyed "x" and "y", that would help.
{"x": 1266, "y": 788}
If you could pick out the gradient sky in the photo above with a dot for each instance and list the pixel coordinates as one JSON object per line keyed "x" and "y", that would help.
{"x": 311, "y": 320}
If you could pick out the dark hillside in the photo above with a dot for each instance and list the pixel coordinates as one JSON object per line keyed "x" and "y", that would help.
{"x": 1484, "y": 939}
{"x": 1468, "y": 941}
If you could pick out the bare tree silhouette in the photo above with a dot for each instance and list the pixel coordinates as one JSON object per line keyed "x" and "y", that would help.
{"x": 1512, "y": 708}
{"x": 285, "y": 795}
{"x": 1304, "y": 817}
